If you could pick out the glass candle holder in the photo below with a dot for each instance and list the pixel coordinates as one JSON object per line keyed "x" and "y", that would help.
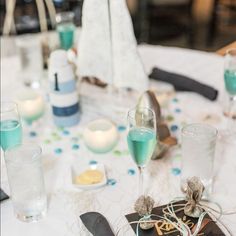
{"x": 198, "y": 151}
{"x": 65, "y": 29}
{"x": 31, "y": 105}
{"x": 100, "y": 136}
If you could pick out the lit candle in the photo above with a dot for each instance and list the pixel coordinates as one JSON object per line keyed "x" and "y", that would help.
{"x": 31, "y": 105}
{"x": 100, "y": 136}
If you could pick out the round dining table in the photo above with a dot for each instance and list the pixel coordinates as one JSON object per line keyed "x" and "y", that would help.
{"x": 63, "y": 147}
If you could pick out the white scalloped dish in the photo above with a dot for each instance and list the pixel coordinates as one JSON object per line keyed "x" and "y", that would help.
{"x": 78, "y": 170}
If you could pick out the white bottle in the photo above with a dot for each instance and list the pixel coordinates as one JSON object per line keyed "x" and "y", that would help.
{"x": 63, "y": 95}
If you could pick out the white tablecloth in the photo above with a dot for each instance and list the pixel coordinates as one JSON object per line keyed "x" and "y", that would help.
{"x": 66, "y": 203}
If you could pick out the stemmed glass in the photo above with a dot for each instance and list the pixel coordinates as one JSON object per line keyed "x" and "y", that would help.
{"x": 10, "y": 125}
{"x": 230, "y": 84}
{"x": 141, "y": 138}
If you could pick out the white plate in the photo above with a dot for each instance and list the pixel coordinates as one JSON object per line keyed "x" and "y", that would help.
{"x": 77, "y": 170}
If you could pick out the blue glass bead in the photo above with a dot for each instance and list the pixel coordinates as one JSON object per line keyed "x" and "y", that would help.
{"x": 176, "y": 171}
{"x": 32, "y": 134}
{"x": 177, "y": 110}
{"x": 121, "y": 128}
{"x": 75, "y": 146}
{"x": 93, "y": 162}
{"x": 175, "y": 99}
{"x": 111, "y": 182}
{"x": 65, "y": 132}
{"x": 131, "y": 172}
{"x": 58, "y": 150}
{"x": 174, "y": 128}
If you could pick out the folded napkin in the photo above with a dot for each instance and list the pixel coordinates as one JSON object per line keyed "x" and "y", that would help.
{"x": 96, "y": 224}
{"x": 3, "y": 195}
{"x": 184, "y": 83}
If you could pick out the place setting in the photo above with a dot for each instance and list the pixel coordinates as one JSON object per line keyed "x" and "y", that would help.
{"x": 105, "y": 133}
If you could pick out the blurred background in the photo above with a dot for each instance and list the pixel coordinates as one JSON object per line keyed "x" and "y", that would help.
{"x": 199, "y": 24}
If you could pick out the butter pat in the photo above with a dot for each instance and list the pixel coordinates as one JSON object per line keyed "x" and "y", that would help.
{"x": 89, "y": 177}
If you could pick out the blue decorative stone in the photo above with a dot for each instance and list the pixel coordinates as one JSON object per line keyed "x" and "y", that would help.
{"x": 121, "y": 128}
{"x": 75, "y": 146}
{"x": 58, "y": 150}
{"x": 111, "y": 182}
{"x": 74, "y": 139}
{"x": 177, "y": 110}
{"x": 131, "y": 172}
{"x": 32, "y": 134}
{"x": 175, "y": 99}
{"x": 173, "y": 128}
{"x": 93, "y": 162}
{"x": 65, "y": 132}
{"x": 176, "y": 171}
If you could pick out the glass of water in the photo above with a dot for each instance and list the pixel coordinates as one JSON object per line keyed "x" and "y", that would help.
{"x": 25, "y": 176}
{"x": 31, "y": 60}
{"x": 198, "y": 151}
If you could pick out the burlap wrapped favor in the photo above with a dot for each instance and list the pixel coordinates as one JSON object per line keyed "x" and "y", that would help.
{"x": 143, "y": 206}
{"x": 193, "y": 192}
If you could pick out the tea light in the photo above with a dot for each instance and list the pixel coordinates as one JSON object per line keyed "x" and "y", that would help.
{"x": 31, "y": 105}
{"x": 100, "y": 136}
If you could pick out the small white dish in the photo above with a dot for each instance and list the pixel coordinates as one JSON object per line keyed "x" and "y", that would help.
{"x": 77, "y": 170}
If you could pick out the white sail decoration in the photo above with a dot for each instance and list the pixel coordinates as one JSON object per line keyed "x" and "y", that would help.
{"x": 107, "y": 47}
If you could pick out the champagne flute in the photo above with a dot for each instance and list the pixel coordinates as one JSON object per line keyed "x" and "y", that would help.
{"x": 10, "y": 125}
{"x": 230, "y": 84}
{"x": 141, "y": 138}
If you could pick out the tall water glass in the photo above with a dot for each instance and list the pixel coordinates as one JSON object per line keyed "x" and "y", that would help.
{"x": 198, "y": 150}
{"x": 25, "y": 176}
{"x": 31, "y": 60}
{"x": 10, "y": 125}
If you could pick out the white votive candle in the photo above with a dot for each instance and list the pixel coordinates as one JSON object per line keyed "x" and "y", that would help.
{"x": 31, "y": 105}
{"x": 100, "y": 135}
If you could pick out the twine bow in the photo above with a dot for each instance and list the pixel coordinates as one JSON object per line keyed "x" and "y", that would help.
{"x": 193, "y": 192}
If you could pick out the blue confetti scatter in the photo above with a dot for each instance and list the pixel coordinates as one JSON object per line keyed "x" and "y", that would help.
{"x": 58, "y": 150}
{"x": 131, "y": 172}
{"x": 177, "y": 110}
{"x": 93, "y": 162}
{"x": 32, "y": 134}
{"x": 65, "y": 132}
{"x": 175, "y": 171}
{"x": 175, "y": 99}
{"x": 111, "y": 182}
{"x": 174, "y": 128}
{"x": 74, "y": 139}
{"x": 75, "y": 146}
{"x": 121, "y": 128}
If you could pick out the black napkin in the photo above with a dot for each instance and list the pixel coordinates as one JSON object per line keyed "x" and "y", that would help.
{"x": 96, "y": 224}
{"x": 3, "y": 195}
{"x": 184, "y": 83}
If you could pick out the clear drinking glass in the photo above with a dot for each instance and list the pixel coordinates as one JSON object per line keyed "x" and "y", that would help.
{"x": 198, "y": 150}
{"x": 10, "y": 125}
{"x": 31, "y": 60}
{"x": 25, "y": 176}
{"x": 141, "y": 138}
{"x": 65, "y": 29}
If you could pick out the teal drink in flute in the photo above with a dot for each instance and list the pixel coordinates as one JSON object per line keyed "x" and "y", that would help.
{"x": 230, "y": 81}
{"x": 141, "y": 138}
{"x": 10, "y": 126}
{"x": 141, "y": 142}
